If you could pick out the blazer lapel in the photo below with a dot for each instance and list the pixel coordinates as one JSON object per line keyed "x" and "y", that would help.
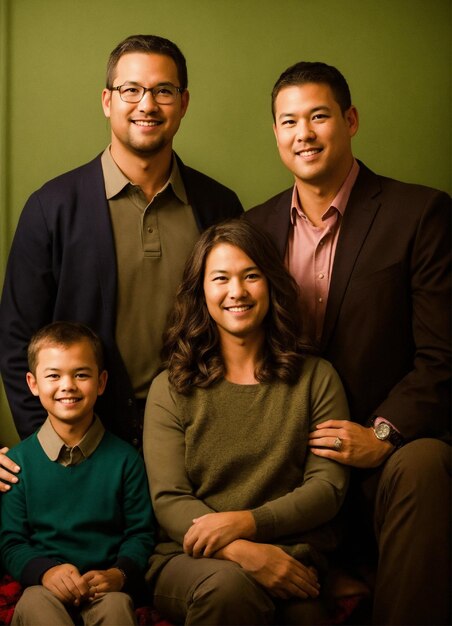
{"x": 358, "y": 218}
{"x": 277, "y": 220}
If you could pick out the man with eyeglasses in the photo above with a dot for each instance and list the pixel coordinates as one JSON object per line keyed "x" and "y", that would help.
{"x": 106, "y": 243}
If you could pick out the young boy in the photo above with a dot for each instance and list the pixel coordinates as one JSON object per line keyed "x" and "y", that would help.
{"x": 77, "y": 529}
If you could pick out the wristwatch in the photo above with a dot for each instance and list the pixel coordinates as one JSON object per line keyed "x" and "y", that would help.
{"x": 385, "y": 432}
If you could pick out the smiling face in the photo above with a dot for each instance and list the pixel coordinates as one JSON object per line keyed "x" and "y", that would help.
{"x": 236, "y": 293}
{"x": 144, "y": 128}
{"x": 313, "y": 135}
{"x": 67, "y": 381}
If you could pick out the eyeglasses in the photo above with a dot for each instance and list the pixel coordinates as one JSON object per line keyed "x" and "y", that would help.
{"x": 162, "y": 94}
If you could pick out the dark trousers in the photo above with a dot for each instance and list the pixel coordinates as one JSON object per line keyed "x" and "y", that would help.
{"x": 407, "y": 506}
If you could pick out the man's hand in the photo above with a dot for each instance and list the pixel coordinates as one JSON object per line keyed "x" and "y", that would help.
{"x": 213, "y": 531}
{"x": 8, "y": 469}
{"x": 359, "y": 446}
{"x": 66, "y": 583}
{"x": 102, "y": 581}
{"x": 283, "y": 576}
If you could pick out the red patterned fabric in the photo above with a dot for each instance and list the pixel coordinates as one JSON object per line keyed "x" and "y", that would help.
{"x": 147, "y": 616}
{"x": 344, "y": 608}
{"x": 9, "y": 594}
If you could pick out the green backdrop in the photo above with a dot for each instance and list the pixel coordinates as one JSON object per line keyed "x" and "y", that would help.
{"x": 394, "y": 53}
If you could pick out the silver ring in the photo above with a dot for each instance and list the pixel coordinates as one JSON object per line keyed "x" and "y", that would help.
{"x": 337, "y": 443}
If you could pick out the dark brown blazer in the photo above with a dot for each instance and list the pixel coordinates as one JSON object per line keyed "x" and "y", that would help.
{"x": 387, "y": 325}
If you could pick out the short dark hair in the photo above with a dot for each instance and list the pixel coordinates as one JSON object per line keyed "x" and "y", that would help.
{"x": 148, "y": 44}
{"x": 191, "y": 349}
{"x": 314, "y": 72}
{"x": 63, "y": 334}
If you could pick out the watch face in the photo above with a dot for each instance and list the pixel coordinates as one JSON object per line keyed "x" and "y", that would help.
{"x": 383, "y": 430}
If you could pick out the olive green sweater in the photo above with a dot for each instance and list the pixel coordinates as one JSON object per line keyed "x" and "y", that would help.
{"x": 235, "y": 447}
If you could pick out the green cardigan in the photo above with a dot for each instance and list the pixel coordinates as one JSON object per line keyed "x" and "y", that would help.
{"x": 95, "y": 515}
{"x": 235, "y": 447}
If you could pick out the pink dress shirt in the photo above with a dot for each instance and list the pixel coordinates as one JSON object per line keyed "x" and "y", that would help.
{"x": 310, "y": 256}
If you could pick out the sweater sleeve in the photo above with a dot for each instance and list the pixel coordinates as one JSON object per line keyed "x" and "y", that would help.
{"x": 164, "y": 451}
{"x": 318, "y": 499}
{"x": 139, "y": 527}
{"x": 20, "y": 557}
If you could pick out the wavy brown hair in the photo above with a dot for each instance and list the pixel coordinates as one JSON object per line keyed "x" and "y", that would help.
{"x": 192, "y": 351}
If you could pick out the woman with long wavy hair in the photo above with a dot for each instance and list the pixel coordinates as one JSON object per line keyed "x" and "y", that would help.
{"x": 243, "y": 505}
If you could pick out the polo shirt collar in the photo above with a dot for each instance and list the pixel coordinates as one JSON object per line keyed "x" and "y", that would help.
{"x": 116, "y": 180}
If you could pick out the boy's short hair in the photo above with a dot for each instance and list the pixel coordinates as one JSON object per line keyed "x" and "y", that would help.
{"x": 64, "y": 334}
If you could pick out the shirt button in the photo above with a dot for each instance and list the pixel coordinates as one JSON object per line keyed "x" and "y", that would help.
{"x": 130, "y": 402}
{"x": 150, "y": 230}
{"x": 321, "y": 275}
{"x": 321, "y": 243}
{"x": 320, "y": 299}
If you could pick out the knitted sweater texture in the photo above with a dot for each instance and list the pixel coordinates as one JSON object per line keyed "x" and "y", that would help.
{"x": 235, "y": 447}
{"x": 95, "y": 515}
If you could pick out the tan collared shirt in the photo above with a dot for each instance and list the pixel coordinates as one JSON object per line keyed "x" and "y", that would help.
{"x": 152, "y": 241}
{"x": 310, "y": 256}
{"x": 56, "y": 449}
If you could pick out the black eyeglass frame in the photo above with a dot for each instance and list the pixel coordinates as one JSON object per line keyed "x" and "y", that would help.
{"x": 145, "y": 89}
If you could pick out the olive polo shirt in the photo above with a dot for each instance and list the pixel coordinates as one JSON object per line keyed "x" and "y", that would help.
{"x": 152, "y": 241}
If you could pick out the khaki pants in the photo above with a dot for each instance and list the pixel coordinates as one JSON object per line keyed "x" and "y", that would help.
{"x": 201, "y": 592}
{"x": 39, "y": 607}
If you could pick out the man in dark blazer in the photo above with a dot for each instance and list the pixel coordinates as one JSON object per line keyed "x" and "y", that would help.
{"x": 372, "y": 258}
{"x": 70, "y": 255}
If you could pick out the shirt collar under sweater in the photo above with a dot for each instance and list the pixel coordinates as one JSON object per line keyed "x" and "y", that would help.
{"x": 56, "y": 449}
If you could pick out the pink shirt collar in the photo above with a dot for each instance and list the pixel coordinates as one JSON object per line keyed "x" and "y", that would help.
{"x": 339, "y": 201}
